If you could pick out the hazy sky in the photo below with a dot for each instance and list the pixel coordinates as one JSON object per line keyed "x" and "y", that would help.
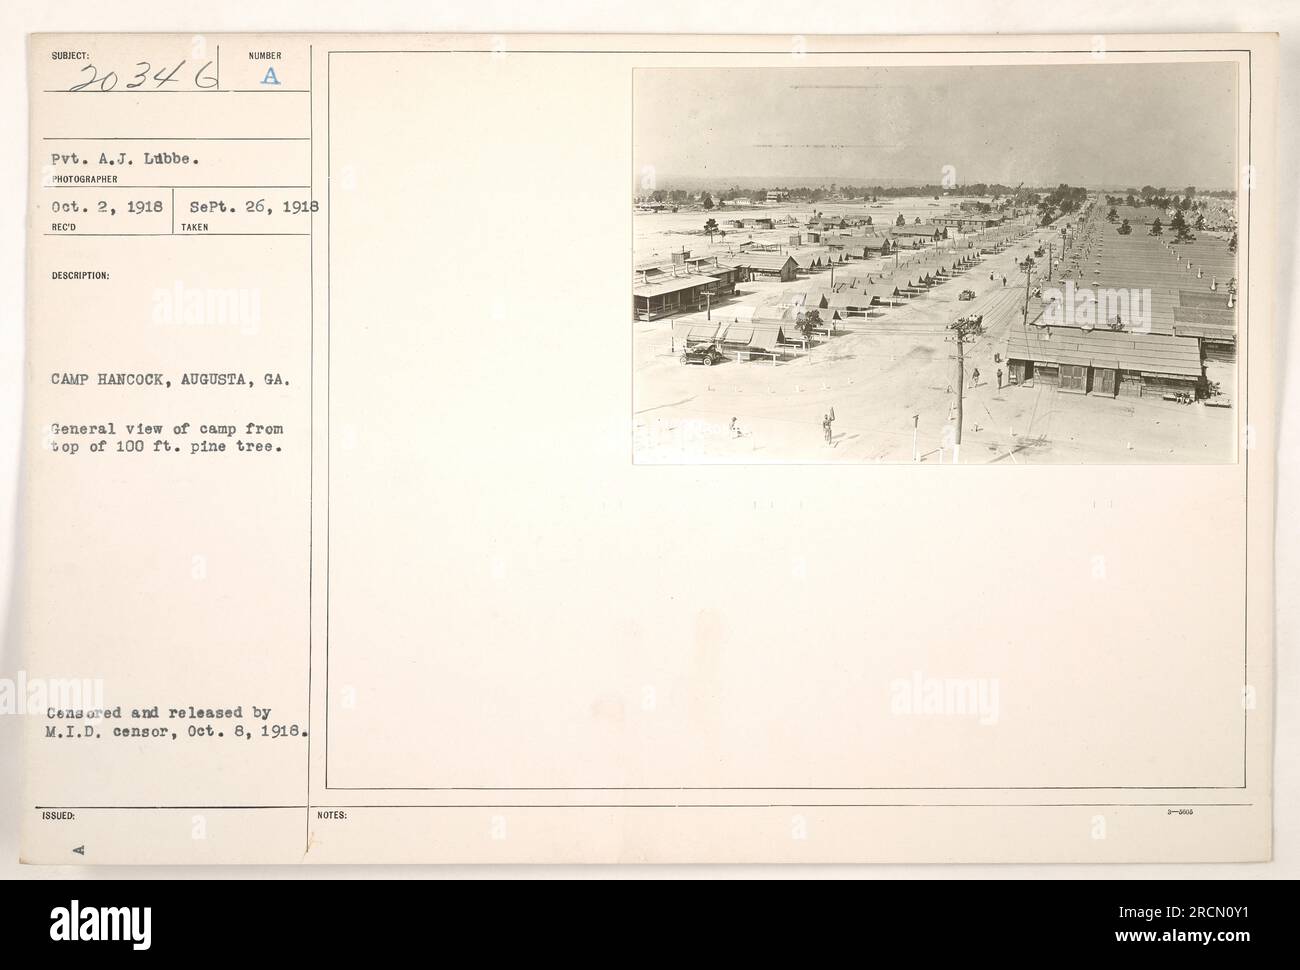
{"x": 1113, "y": 124}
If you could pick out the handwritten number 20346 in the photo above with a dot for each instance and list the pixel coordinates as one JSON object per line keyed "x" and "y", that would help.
{"x": 204, "y": 78}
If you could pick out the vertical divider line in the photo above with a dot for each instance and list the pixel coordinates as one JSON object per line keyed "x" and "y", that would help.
{"x": 311, "y": 416}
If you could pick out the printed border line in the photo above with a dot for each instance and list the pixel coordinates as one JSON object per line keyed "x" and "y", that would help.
{"x": 311, "y": 416}
{"x": 507, "y": 805}
{"x": 328, "y": 379}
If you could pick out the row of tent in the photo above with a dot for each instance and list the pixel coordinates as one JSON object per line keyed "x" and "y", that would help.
{"x": 772, "y": 327}
{"x": 753, "y": 334}
{"x": 851, "y": 300}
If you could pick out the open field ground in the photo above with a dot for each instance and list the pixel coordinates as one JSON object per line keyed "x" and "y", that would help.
{"x": 656, "y": 234}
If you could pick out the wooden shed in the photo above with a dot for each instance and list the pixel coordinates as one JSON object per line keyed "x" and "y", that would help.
{"x": 782, "y": 266}
{"x": 1104, "y": 362}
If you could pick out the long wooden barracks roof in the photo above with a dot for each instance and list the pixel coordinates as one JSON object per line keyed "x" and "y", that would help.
{"x": 1147, "y": 353}
{"x": 773, "y": 262}
{"x": 671, "y": 284}
{"x": 1210, "y": 324}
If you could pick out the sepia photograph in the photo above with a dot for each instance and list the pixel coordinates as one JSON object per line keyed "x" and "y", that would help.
{"x": 1009, "y": 263}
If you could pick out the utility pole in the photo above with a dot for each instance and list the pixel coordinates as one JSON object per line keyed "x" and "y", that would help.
{"x": 963, "y": 333}
{"x": 1029, "y": 271}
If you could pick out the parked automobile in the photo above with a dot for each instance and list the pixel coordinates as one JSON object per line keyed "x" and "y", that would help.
{"x": 702, "y": 354}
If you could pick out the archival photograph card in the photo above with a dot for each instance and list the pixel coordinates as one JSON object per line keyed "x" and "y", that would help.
{"x": 649, "y": 449}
